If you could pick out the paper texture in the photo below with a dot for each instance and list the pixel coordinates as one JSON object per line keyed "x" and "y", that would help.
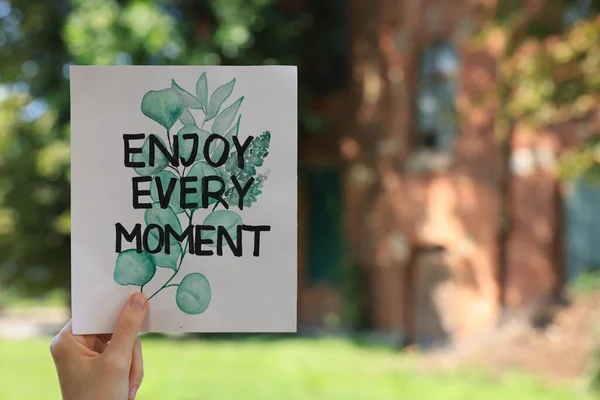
{"x": 184, "y": 187}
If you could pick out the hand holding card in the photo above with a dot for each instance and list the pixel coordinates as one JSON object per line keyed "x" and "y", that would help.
{"x": 199, "y": 191}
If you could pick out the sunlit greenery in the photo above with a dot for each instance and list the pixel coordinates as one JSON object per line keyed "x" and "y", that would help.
{"x": 549, "y": 68}
{"x": 278, "y": 369}
{"x": 547, "y": 74}
{"x": 40, "y": 39}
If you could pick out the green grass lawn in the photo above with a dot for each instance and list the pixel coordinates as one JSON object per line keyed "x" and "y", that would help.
{"x": 299, "y": 369}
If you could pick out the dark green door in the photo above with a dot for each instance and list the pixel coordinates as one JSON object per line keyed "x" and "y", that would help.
{"x": 582, "y": 222}
{"x": 324, "y": 241}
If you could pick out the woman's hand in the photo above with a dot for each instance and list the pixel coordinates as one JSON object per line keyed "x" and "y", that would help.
{"x": 102, "y": 367}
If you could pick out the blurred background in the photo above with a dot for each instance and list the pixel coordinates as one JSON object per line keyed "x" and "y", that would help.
{"x": 449, "y": 193}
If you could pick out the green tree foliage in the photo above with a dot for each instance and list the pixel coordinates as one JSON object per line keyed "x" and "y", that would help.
{"x": 39, "y": 39}
{"x": 549, "y": 73}
{"x": 34, "y": 144}
{"x": 546, "y": 55}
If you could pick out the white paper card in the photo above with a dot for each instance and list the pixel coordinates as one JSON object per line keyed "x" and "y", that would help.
{"x": 184, "y": 187}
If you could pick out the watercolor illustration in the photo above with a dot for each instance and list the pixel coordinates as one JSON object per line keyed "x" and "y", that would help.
{"x": 199, "y": 171}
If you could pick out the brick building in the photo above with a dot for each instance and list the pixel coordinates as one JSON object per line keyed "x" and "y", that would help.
{"x": 409, "y": 190}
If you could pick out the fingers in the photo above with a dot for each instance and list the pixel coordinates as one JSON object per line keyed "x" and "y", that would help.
{"x": 100, "y": 346}
{"x": 66, "y": 342}
{"x": 128, "y": 326}
{"x": 58, "y": 346}
{"x": 136, "y": 374}
{"x": 105, "y": 338}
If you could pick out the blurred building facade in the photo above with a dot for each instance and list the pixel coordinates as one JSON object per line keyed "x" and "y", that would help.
{"x": 410, "y": 190}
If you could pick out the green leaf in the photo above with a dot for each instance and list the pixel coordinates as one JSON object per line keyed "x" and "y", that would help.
{"x": 224, "y": 120}
{"x": 162, "y": 217}
{"x": 163, "y": 106}
{"x": 133, "y": 268}
{"x": 162, "y": 259}
{"x": 202, "y": 91}
{"x": 160, "y": 160}
{"x": 187, "y": 118}
{"x": 193, "y": 294}
{"x": 226, "y": 218}
{"x": 217, "y": 149}
{"x": 186, "y": 146}
{"x": 200, "y": 170}
{"x": 165, "y": 178}
{"x": 218, "y": 97}
{"x": 187, "y": 98}
{"x": 232, "y": 197}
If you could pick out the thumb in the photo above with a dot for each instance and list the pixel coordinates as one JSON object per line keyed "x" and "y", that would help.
{"x": 129, "y": 325}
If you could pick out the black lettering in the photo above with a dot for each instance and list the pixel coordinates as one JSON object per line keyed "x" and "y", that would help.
{"x": 154, "y": 143}
{"x": 128, "y": 151}
{"x": 257, "y": 229}
{"x": 224, "y": 155}
{"x": 200, "y": 240}
{"x": 241, "y": 190}
{"x": 188, "y": 190}
{"x": 161, "y": 239}
{"x": 194, "y": 137}
{"x": 217, "y": 195}
{"x": 137, "y": 192}
{"x": 164, "y": 196}
{"x": 188, "y": 233}
{"x": 236, "y": 248}
{"x": 121, "y": 232}
{"x": 241, "y": 148}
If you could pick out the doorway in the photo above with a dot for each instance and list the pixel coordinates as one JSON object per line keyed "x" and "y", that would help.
{"x": 324, "y": 225}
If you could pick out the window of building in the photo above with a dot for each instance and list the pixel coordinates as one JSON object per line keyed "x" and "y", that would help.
{"x": 576, "y": 10}
{"x": 436, "y": 113}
